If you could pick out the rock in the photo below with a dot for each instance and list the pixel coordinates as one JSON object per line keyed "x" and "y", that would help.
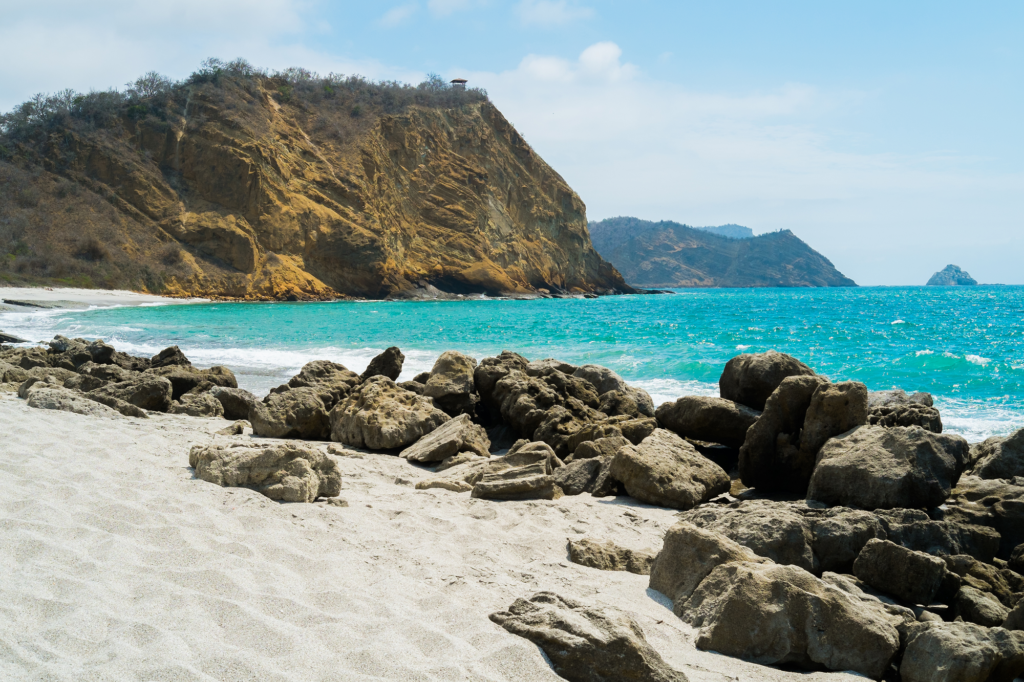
{"x": 834, "y": 410}
{"x": 910, "y": 414}
{"x": 607, "y": 556}
{"x": 463, "y": 477}
{"x": 125, "y": 408}
{"x": 451, "y": 384}
{"x": 601, "y": 378}
{"x": 770, "y": 530}
{"x": 185, "y": 378}
{"x": 771, "y": 459}
{"x": 592, "y": 475}
{"x": 1016, "y": 562}
{"x": 688, "y": 555}
{"x": 454, "y": 436}
{"x": 381, "y": 416}
{"x": 46, "y": 396}
{"x": 129, "y": 362}
{"x": 298, "y": 413}
{"x": 838, "y": 535}
{"x": 707, "y": 419}
{"x": 169, "y": 357}
{"x": 602, "y": 447}
{"x": 666, "y": 470}
{"x": 896, "y": 397}
{"x": 538, "y": 367}
{"x": 236, "y": 402}
{"x": 616, "y": 403}
{"x": 145, "y": 390}
{"x": 961, "y": 652}
{"x": 530, "y": 482}
{"x": 750, "y": 379}
{"x": 10, "y": 338}
{"x": 11, "y": 374}
{"x": 107, "y": 373}
{"x": 975, "y": 606}
{"x": 913, "y": 577}
{"x": 882, "y": 468}
{"x": 951, "y": 276}
{"x": 1015, "y": 619}
{"x": 26, "y": 386}
{"x": 901, "y": 616}
{"x": 331, "y": 381}
{"x": 414, "y": 386}
{"x": 236, "y": 429}
{"x": 422, "y": 378}
{"x": 773, "y": 615}
{"x": 456, "y": 460}
{"x": 586, "y": 644}
{"x": 389, "y": 364}
{"x": 288, "y": 472}
{"x": 1003, "y": 584}
{"x": 999, "y": 457}
{"x": 995, "y": 503}
{"x": 101, "y": 353}
{"x": 198, "y": 405}
{"x": 84, "y": 382}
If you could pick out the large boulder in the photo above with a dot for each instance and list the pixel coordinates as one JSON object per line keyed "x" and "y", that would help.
{"x": 666, "y": 470}
{"x": 882, "y": 468}
{"x": 914, "y": 577}
{"x": 454, "y": 436}
{"x": 1002, "y": 584}
{"x": 451, "y": 383}
{"x": 388, "y": 364}
{"x": 999, "y": 457}
{"x": 783, "y": 615}
{"x": 381, "y": 416}
{"x": 996, "y": 503}
{"x": 236, "y": 402}
{"x": 688, "y": 555}
{"x": 716, "y": 420}
{"x": 143, "y": 390}
{"x": 606, "y": 381}
{"x": 586, "y": 644}
{"x": 198, "y": 405}
{"x": 750, "y": 379}
{"x": 46, "y": 396}
{"x": 909, "y": 414}
{"x": 184, "y": 378}
{"x": 607, "y": 556}
{"x": 298, "y": 413}
{"x": 287, "y": 471}
{"x": 331, "y": 381}
{"x": 529, "y": 482}
{"x": 463, "y": 476}
{"x": 169, "y": 357}
{"x": 961, "y": 652}
{"x": 538, "y": 367}
{"x": 975, "y": 606}
{"x": 834, "y": 409}
{"x": 771, "y": 458}
{"x": 591, "y": 475}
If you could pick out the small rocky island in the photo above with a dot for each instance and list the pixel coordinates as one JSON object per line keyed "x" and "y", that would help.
{"x": 951, "y": 276}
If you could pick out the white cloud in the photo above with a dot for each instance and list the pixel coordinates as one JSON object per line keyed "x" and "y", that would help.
{"x": 548, "y": 13}
{"x": 600, "y": 61}
{"x": 398, "y": 15}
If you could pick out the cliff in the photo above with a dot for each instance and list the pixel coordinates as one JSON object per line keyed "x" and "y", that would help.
{"x": 668, "y": 254}
{"x": 240, "y": 184}
{"x": 951, "y": 276}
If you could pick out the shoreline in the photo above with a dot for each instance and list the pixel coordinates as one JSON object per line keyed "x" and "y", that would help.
{"x": 68, "y": 297}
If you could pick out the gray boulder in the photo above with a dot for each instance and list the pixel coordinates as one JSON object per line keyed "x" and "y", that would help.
{"x": 451, "y": 384}
{"x": 381, "y": 416}
{"x": 144, "y": 390}
{"x": 198, "y": 405}
{"x": 961, "y": 652}
{"x": 913, "y": 577}
{"x": 298, "y": 413}
{"x": 45, "y": 396}
{"x": 601, "y": 378}
{"x": 388, "y": 364}
{"x": 586, "y": 644}
{"x": 331, "y": 381}
{"x": 834, "y": 409}
{"x": 999, "y": 457}
{"x": 783, "y": 615}
{"x": 715, "y": 420}
{"x": 750, "y": 379}
{"x": 452, "y": 437}
{"x": 607, "y": 556}
{"x": 666, "y": 470}
{"x": 996, "y": 503}
{"x": 287, "y": 471}
{"x": 975, "y": 606}
{"x": 881, "y": 468}
{"x": 236, "y": 402}
{"x": 688, "y": 555}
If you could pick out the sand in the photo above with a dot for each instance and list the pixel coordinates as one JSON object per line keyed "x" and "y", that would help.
{"x": 118, "y": 564}
{"x": 67, "y": 297}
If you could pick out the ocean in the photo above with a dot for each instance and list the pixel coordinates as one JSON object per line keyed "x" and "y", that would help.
{"x": 963, "y": 345}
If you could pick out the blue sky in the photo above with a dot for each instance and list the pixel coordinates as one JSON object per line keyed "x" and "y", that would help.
{"x": 887, "y": 135}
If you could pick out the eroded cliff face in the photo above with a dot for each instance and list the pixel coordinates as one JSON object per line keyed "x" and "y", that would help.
{"x": 242, "y": 195}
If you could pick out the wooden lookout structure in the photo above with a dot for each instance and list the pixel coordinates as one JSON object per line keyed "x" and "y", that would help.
{"x": 459, "y": 83}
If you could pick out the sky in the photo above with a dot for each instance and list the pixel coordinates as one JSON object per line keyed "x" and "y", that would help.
{"x": 889, "y": 136}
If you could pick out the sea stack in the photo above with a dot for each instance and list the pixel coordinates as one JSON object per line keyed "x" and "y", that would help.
{"x": 951, "y": 276}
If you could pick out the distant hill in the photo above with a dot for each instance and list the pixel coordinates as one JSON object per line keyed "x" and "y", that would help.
{"x": 669, "y": 254}
{"x": 730, "y": 230}
{"x": 951, "y": 276}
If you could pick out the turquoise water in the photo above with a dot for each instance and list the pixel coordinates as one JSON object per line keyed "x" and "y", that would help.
{"x": 964, "y": 345}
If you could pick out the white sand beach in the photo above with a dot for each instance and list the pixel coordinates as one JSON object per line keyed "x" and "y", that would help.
{"x": 118, "y": 564}
{"x": 87, "y": 297}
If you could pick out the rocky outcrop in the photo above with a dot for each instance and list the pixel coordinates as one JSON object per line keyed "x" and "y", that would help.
{"x": 878, "y": 468}
{"x": 282, "y": 471}
{"x": 607, "y": 556}
{"x": 586, "y": 644}
{"x": 245, "y": 186}
{"x": 951, "y": 276}
{"x": 666, "y": 470}
{"x": 381, "y": 416}
{"x": 668, "y": 254}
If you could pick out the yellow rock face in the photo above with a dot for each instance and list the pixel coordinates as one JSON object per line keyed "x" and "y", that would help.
{"x": 264, "y": 203}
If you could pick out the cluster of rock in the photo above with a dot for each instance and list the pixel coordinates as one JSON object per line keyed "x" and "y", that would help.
{"x": 844, "y": 524}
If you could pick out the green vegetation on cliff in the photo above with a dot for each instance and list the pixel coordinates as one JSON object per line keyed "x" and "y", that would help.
{"x": 243, "y": 184}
